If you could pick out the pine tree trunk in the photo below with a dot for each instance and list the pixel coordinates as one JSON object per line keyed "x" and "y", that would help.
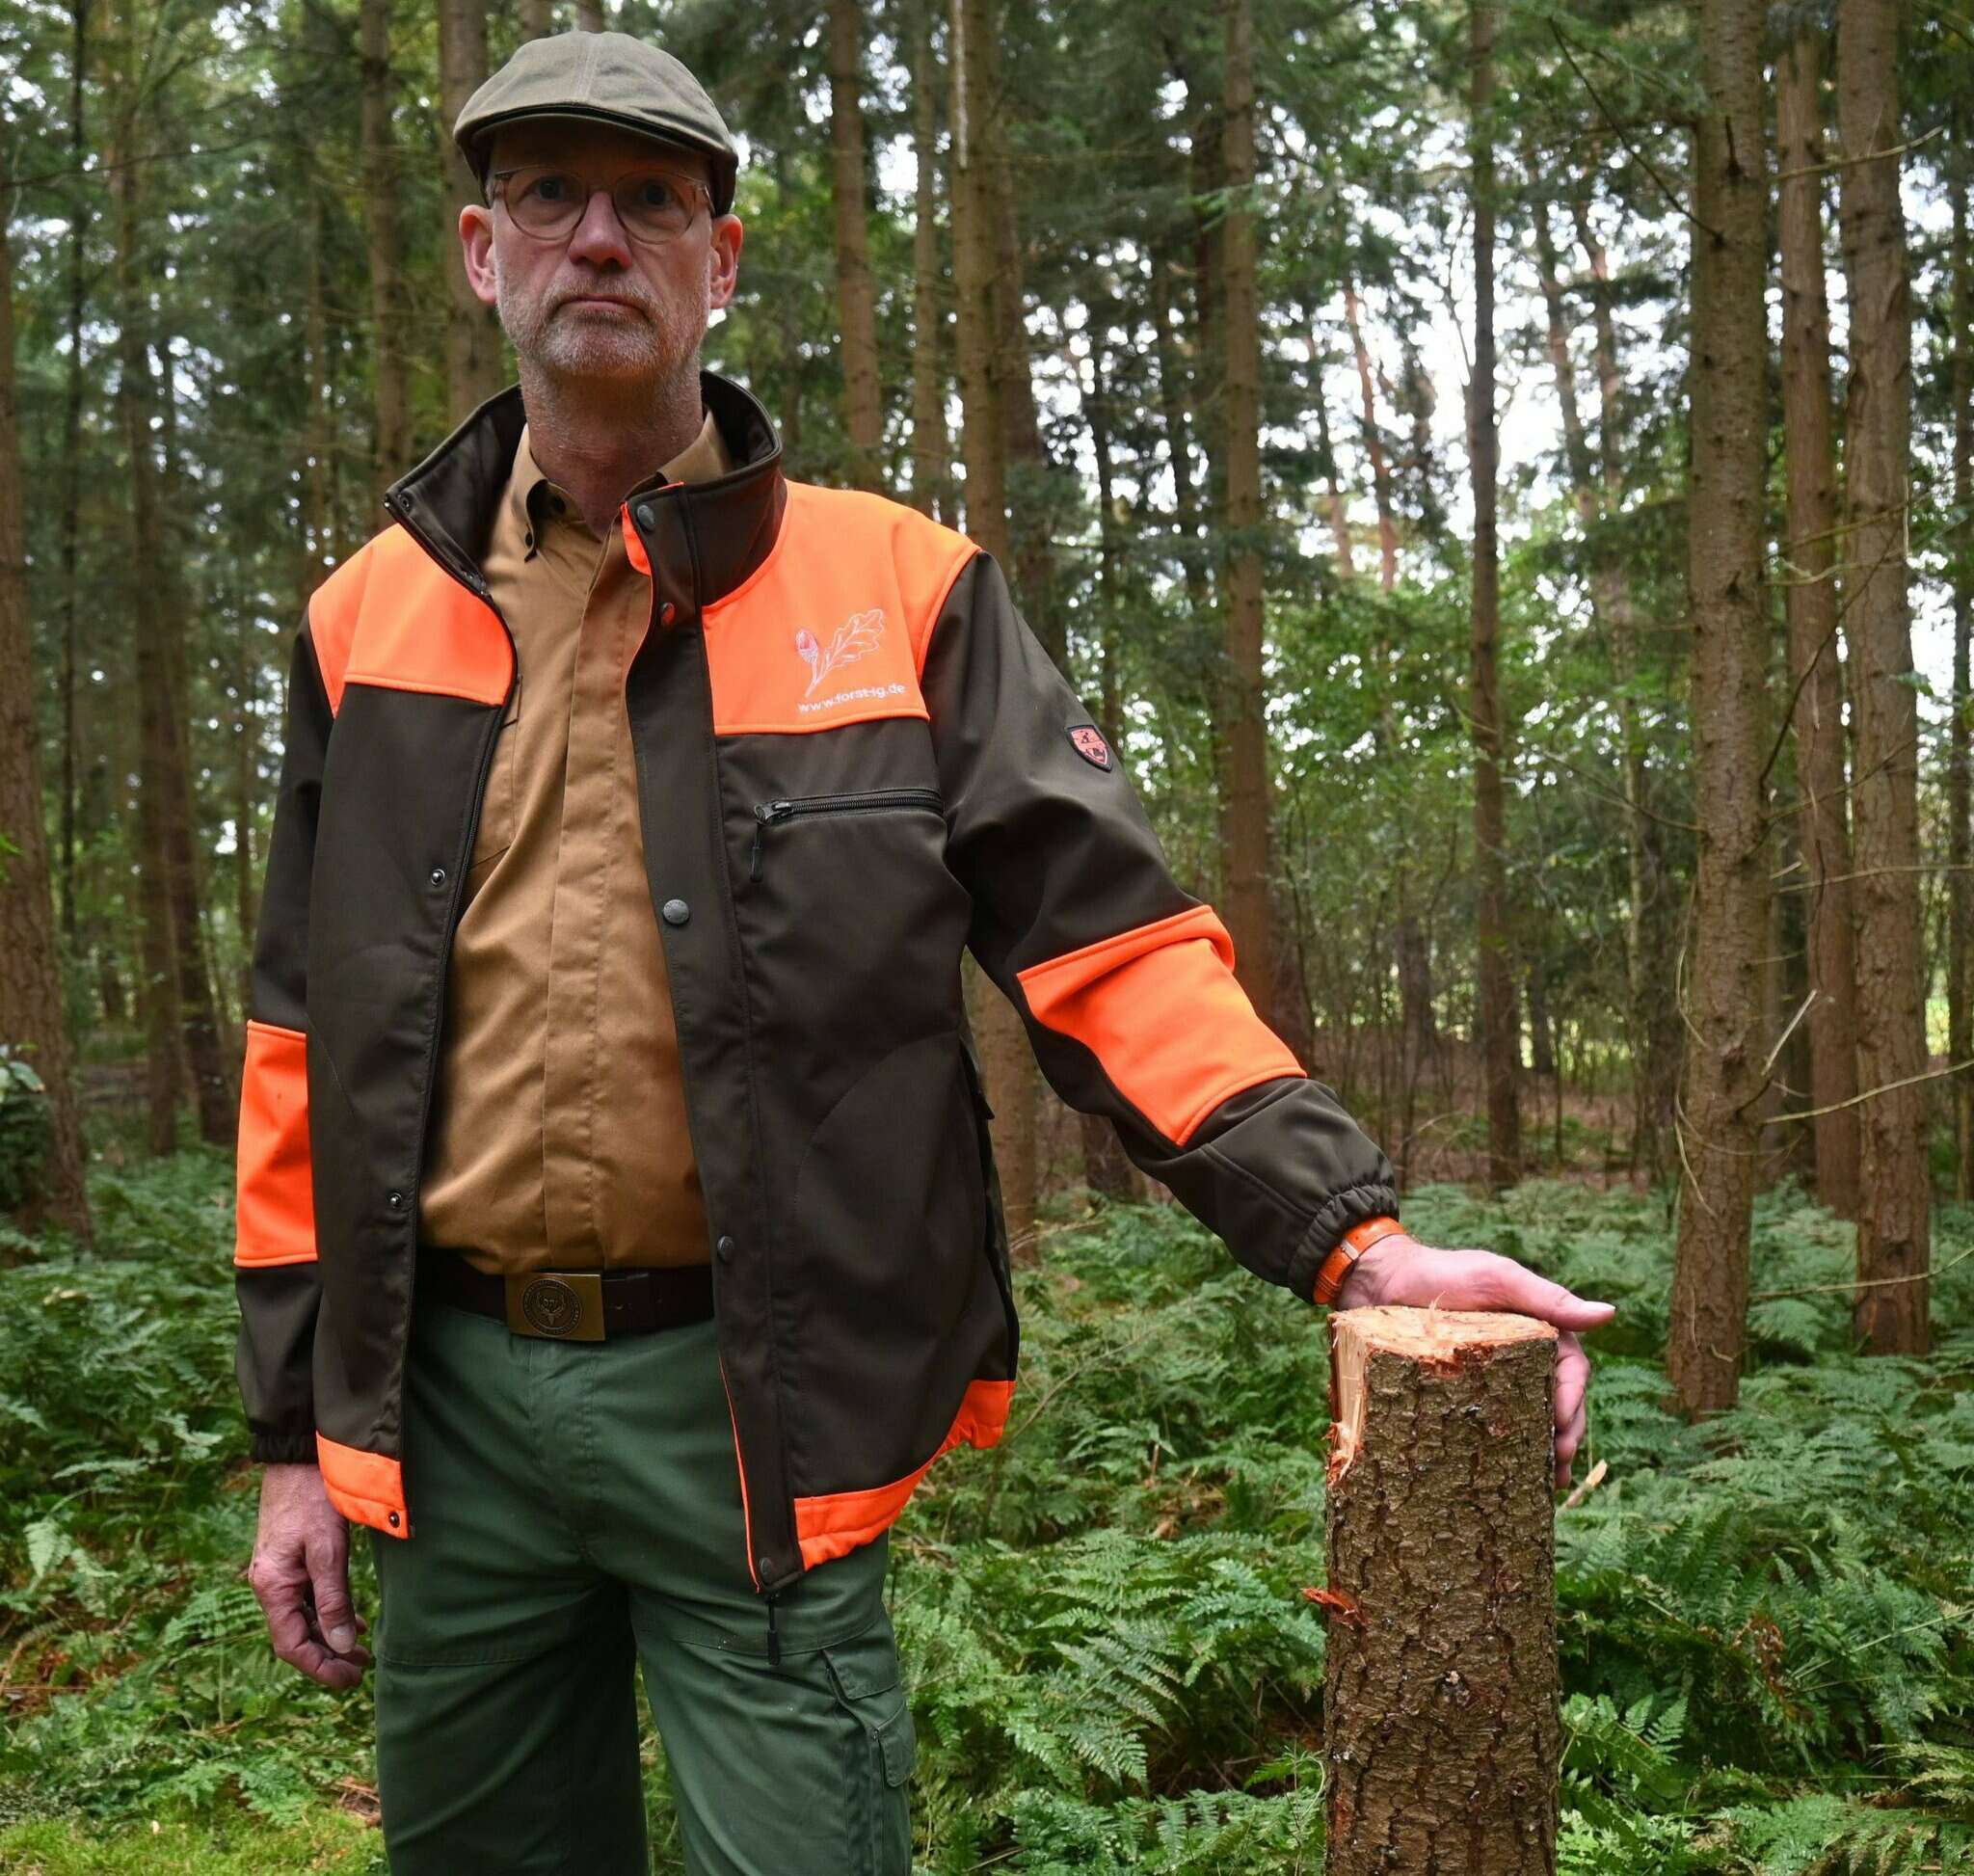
{"x": 1335, "y": 508}
{"x": 1824, "y": 834}
{"x": 1441, "y": 1723}
{"x": 1722, "y": 1077}
{"x": 931, "y": 450}
{"x": 1242, "y": 727}
{"x": 31, "y": 1002}
{"x": 1500, "y": 1042}
{"x": 856, "y": 293}
{"x": 1173, "y": 412}
{"x": 157, "y": 981}
{"x": 472, "y": 332}
{"x": 1892, "y": 1221}
{"x": 1959, "y": 834}
{"x": 1005, "y": 1058}
{"x": 389, "y": 320}
{"x": 79, "y": 212}
{"x": 1373, "y": 443}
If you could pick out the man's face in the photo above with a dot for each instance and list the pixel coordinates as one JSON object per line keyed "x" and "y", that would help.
{"x": 595, "y": 304}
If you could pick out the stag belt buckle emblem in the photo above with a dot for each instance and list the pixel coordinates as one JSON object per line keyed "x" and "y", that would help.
{"x": 563, "y": 1305}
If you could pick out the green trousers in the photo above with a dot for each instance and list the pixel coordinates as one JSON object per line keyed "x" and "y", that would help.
{"x": 577, "y": 1511}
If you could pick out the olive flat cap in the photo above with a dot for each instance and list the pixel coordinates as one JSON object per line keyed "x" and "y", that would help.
{"x": 606, "y": 79}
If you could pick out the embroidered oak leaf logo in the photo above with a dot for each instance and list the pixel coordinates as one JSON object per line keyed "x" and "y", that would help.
{"x": 857, "y": 635}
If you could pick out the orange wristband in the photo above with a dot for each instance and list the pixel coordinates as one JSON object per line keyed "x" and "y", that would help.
{"x": 1354, "y": 1243}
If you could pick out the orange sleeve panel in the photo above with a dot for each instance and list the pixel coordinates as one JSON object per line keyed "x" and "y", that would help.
{"x": 835, "y": 1525}
{"x": 275, "y": 1210}
{"x": 423, "y": 630}
{"x": 1161, "y": 1011}
{"x": 367, "y": 1487}
{"x": 831, "y": 626}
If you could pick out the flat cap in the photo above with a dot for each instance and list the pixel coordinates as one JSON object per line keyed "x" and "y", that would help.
{"x": 606, "y": 79}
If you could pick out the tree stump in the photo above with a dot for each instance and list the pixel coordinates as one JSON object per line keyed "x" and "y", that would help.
{"x": 1441, "y": 1734}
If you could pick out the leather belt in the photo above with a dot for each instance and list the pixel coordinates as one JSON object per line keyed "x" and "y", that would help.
{"x": 571, "y": 1305}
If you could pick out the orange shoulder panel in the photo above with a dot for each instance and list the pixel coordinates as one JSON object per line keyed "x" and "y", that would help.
{"x": 835, "y": 1525}
{"x": 831, "y": 626}
{"x": 390, "y": 616}
{"x": 1160, "y": 1010}
{"x": 274, "y": 1216}
{"x": 367, "y": 1487}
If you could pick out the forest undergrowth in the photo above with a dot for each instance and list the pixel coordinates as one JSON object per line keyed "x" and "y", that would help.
{"x": 1767, "y": 1623}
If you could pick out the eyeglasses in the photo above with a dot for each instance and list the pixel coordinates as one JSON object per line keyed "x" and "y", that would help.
{"x": 654, "y": 205}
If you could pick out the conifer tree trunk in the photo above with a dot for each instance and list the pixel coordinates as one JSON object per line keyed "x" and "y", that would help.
{"x": 1244, "y": 780}
{"x": 1892, "y": 1221}
{"x": 537, "y": 18}
{"x": 472, "y": 332}
{"x": 1373, "y": 443}
{"x": 1335, "y": 508}
{"x": 856, "y": 292}
{"x": 1174, "y": 420}
{"x": 1005, "y": 1057}
{"x": 1824, "y": 834}
{"x": 158, "y": 988}
{"x": 1441, "y": 1725}
{"x": 931, "y": 451}
{"x": 1500, "y": 1044}
{"x": 589, "y": 15}
{"x": 388, "y": 319}
{"x": 1959, "y": 833}
{"x": 1723, "y": 1075}
{"x": 79, "y": 213}
{"x": 31, "y": 1002}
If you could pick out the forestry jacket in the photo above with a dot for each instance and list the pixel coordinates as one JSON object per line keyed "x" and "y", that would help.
{"x": 853, "y": 759}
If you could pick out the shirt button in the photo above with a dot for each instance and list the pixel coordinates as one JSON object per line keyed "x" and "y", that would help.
{"x": 645, "y": 517}
{"x": 676, "y": 911}
{"x": 724, "y": 1247}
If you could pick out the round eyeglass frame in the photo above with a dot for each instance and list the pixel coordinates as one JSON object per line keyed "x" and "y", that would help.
{"x": 581, "y": 207}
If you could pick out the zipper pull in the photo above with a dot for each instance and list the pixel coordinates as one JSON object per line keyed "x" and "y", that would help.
{"x": 764, "y": 812}
{"x": 774, "y": 1635}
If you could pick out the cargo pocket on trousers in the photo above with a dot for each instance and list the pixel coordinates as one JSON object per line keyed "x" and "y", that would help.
{"x": 864, "y": 1672}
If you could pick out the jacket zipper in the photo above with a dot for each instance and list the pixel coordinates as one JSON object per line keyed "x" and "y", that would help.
{"x": 770, "y": 814}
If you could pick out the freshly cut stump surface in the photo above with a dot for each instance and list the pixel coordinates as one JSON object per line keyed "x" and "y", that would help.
{"x": 1440, "y": 1701}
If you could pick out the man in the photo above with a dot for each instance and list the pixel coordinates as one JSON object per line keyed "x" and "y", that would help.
{"x": 615, "y": 1198}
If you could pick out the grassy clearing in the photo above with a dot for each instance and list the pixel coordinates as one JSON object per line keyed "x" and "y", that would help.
{"x": 1768, "y": 1625}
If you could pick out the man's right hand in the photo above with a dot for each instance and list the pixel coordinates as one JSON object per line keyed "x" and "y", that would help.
{"x": 300, "y": 1573}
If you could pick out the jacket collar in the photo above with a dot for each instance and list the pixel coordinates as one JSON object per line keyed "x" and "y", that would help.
{"x": 725, "y": 527}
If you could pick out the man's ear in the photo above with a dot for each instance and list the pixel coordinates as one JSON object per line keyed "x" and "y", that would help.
{"x": 727, "y": 235}
{"x": 476, "y": 247}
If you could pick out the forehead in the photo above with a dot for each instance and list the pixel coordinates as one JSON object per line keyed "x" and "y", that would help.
{"x": 591, "y": 145}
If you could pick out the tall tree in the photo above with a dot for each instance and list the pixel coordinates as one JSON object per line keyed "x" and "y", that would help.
{"x": 1959, "y": 806}
{"x": 1816, "y": 718}
{"x": 1892, "y": 1223}
{"x": 1373, "y": 442}
{"x": 1245, "y": 785}
{"x": 389, "y": 319}
{"x": 856, "y": 289}
{"x": 1723, "y": 1075}
{"x": 1006, "y": 1060}
{"x": 931, "y": 451}
{"x": 473, "y": 333}
{"x": 1499, "y": 1045}
{"x": 31, "y": 1011}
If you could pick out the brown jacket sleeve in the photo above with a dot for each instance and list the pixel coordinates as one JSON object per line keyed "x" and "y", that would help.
{"x": 1125, "y": 981}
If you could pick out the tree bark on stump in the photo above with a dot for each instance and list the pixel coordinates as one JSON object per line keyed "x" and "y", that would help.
{"x": 1440, "y": 1717}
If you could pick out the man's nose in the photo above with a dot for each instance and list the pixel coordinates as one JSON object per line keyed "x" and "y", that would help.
{"x": 599, "y": 235}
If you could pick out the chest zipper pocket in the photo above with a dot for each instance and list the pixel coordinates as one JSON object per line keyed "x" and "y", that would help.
{"x": 866, "y": 801}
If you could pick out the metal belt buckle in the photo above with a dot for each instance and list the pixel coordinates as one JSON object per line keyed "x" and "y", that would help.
{"x": 564, "y": 1306}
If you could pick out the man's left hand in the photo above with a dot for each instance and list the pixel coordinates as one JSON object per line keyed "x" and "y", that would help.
{"x": 1401, "y": 1270}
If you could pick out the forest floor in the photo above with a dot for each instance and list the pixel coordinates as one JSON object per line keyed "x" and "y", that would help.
{"x": 1767, "y": 1625}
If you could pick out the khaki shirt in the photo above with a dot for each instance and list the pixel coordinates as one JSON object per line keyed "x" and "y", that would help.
{"x": 558, "y": 1132}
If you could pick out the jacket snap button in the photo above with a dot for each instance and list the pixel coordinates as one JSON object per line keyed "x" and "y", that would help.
{"x": 395, "y": 1201}
{"x": 765, "y": 1566}
{"x": 725, "y": 1246}
{"x": 438, "y": 876}
{"x": 676, "y": 911}
{"x": 667, "y": 613}
{"x": 644, "y": 513}
{"x": 393, "y": 1518}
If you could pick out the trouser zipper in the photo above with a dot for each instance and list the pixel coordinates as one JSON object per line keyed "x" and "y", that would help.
{"x": 771, "y": 814}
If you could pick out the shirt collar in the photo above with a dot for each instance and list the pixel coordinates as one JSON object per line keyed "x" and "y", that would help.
{"x": 532, "y": 498}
